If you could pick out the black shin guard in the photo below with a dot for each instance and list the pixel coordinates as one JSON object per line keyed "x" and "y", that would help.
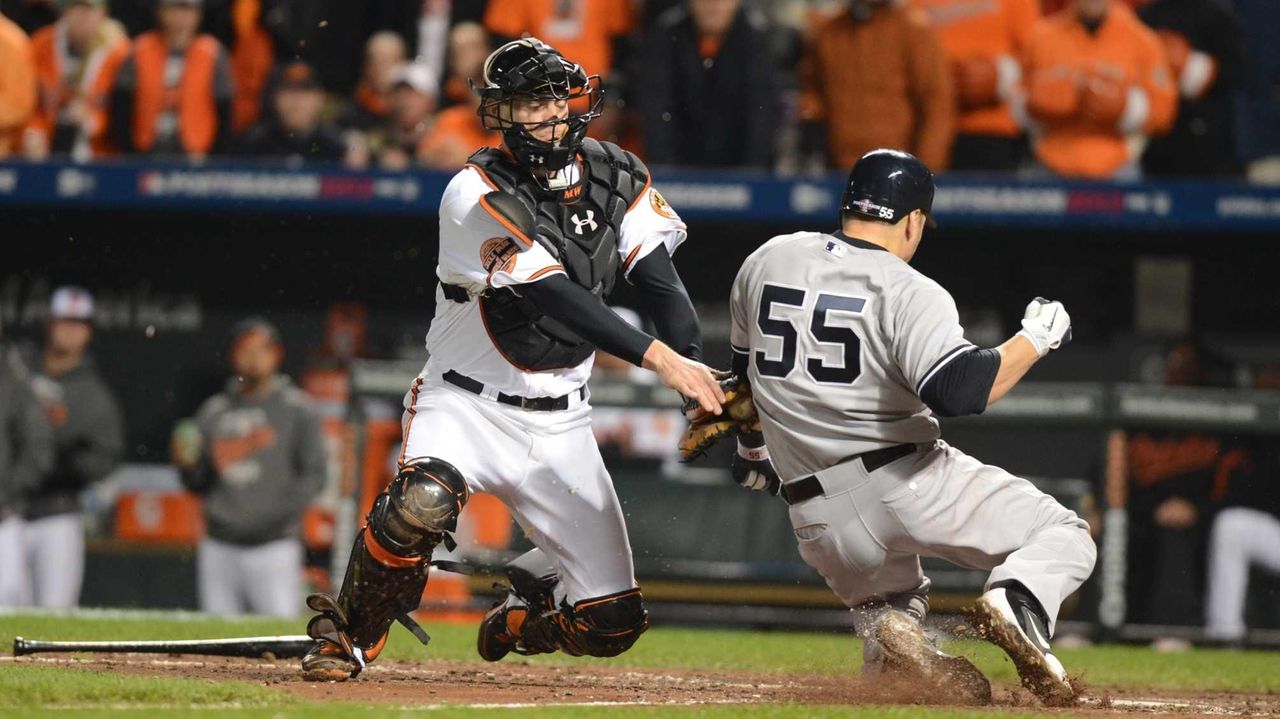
{"x": 600, "y": 627}
{"x": 390, "y": 560}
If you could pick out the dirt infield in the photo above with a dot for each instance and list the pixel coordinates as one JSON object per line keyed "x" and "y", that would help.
{"x": 516, "y": 683}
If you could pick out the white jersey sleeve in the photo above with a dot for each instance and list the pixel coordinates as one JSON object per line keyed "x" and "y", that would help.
{"x": 479, "y": 249}
{"x": 649, "y": 223}
{"x": 926, "y": 332}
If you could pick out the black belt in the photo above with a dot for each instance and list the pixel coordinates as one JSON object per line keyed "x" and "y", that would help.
{"x": 810, "y": 487}
{"x": 455, "y": 293}
{"x": 533, "y": 404}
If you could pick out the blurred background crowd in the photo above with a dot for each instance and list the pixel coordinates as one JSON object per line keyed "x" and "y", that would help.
{"x": 1078, "y": 88}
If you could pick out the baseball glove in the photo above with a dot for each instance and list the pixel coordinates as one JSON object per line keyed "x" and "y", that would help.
{"x": 705, "y": 429}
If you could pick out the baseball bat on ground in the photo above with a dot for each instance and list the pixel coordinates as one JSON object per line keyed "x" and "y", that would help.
{"x": 284, "y": 647}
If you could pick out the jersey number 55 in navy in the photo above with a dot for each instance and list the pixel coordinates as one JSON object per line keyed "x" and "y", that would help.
{"x": 850, "y": 365}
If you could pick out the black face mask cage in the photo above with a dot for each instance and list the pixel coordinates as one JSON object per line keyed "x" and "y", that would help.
{"x": 544, "y": 77}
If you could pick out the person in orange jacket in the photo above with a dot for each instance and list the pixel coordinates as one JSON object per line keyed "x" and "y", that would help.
{"x": 17, "y": 84}
{"x": 584, "y": 30}
{"x": 173, "y": 94}
{"x": 77, "y": 59}
{"x": 984, "y": 42}
{"x": 875, "y": 76}
{"x": 458, "y": 130}
{"x": 1096, "y": 87}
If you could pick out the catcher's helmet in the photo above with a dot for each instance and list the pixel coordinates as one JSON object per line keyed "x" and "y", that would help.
{"x": 886, "y": 185}
{"x": 531, "y": 68}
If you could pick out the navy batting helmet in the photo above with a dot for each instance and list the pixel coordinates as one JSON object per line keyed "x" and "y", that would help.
{"x": 886, "y": 185}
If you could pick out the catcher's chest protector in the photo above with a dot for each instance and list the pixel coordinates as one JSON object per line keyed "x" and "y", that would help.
{"x": 580, "y": 231}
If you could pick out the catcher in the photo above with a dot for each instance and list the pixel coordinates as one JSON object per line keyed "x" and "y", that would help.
{"x": 533, "y": 237}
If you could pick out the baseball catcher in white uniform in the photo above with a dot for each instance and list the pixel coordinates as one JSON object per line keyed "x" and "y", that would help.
{"x": 533, "y": 236}
{"x": 849, "y": 354}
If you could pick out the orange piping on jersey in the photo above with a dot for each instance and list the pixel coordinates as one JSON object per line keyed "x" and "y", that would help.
{"x": 503, "y": 221}
{"x": 545, "y": 270}
{"x": 636, "y": 200}
{"x": 413, "y": 402}
{"x": 385, "y": 557}
{"x": 626, "y": 265}
{"x": 483, "y": 175}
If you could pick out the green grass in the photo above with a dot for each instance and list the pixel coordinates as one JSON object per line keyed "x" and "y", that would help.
{"x": 24, "y": 688}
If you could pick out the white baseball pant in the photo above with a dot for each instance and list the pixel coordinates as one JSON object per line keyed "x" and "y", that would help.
{"x": 547, "y": 469}
{"x": 54, "y": 550}
{"x": 14, "y": 589}
{"x": 1241, "y": 538}
{"x": 867, "y": 533}
{"x": 263, "y": 579}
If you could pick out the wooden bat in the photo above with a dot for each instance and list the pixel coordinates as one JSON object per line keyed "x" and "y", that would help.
{"x": 284, "y": 647}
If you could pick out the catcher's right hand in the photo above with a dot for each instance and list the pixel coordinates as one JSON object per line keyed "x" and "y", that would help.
{"x": 705, "y": 428}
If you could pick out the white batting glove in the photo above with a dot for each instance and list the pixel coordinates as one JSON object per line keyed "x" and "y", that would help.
{"x": 1046, "y": 325}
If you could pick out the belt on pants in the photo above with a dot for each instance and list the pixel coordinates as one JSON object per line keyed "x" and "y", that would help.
{"x": 533, "y": 404}
{"x": 810, "y": 487}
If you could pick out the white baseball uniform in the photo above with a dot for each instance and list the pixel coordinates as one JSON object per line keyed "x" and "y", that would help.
{"x": 544, "y": 465}
{"x": 842, "y": 338}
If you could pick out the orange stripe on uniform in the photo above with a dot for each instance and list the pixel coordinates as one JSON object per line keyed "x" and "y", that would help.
{"x": 631, "y": 257}
{"x": 385, "y": 557}
{"x": 647, "y": 181}
{"x": 483, "y": 175}
{"x": 411, "y": 411}
{"x": 503, "y": 221}
{"x": 545, "y": 270}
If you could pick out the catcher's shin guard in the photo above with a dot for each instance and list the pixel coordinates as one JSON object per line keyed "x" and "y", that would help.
{"x": 601, "y": 627}
{"x": 387, "y": 570}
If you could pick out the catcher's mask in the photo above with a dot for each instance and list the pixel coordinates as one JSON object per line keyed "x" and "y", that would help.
{"x": 529, "y": 69}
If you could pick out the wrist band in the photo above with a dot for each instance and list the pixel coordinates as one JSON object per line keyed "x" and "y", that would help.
{"x": 753, "y": 454}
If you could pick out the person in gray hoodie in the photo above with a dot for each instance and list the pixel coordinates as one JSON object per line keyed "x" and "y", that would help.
{"x": 256, "y": 455}
{"x": 88, "y": 434}
{"x": 26, "y": 453}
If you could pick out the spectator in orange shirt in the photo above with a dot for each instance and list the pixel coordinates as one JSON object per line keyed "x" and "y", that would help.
{"x": 173, "y": 94}
{"x": 384, "y": 53}
{"x": 585, "y": 30}
{"x": 1096, "y": 88}
{"x": 252, "y": 60}
{"x": 1205, "y": 50}
{"x": 984, "y": 42}
{"x": 76, "y": 63}
{"x": 875, "y": 76}
{"x": 458, "y": 131}
{"x": 17, "y": 84}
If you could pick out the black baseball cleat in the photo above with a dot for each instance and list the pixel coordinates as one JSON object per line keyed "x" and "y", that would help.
{"x": 1011, "y": 618}
{"x": 327, "y": 662}
{"x": 907, "y": 651}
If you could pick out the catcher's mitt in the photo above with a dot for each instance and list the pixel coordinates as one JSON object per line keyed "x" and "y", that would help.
{"x": 705, "y": 429}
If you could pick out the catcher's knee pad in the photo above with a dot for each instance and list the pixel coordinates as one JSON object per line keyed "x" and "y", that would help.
{"x": 423, "y": 503}
{"x": 600, "y": 627}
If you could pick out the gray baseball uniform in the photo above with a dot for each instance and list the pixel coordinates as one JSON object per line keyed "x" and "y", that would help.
{"x": 842, "y": 338}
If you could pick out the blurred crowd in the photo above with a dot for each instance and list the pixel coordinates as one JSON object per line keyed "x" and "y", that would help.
{"x": 1079, "y": 88}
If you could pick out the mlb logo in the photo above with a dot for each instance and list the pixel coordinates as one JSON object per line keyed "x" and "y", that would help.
{"x": 834, "y": 248}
